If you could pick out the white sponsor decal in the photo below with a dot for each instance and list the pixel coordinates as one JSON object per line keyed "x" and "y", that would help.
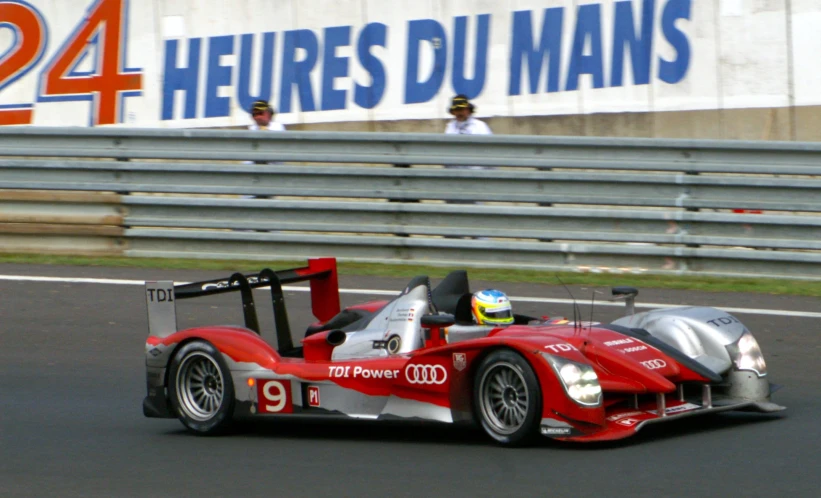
{"x": 460, "y": 361}
{"x": 359, "y": 372}
{"x": 224, "y": 284}
{"x": 618, "y": 342}
{"x": 313, "y": 395}
{"x": 634, "y": 349}
{"x": 558, "y": 431}
{"x": 628, "y": 422}
{"x": 618, "y": 416}
{"x": 426, "y": 374}
{"x": 654, "y": 364}
{"x": 686, "y": 407}
{"x": 556, "y": 348}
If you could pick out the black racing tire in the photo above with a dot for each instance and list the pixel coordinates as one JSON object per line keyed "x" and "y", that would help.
{"x": 201, "y": 389}
{"x": 507, "y": 399}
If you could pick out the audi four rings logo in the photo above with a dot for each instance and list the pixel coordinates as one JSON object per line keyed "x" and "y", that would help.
{"x": 426, "y": 374}
{"x": 654, "y": 364}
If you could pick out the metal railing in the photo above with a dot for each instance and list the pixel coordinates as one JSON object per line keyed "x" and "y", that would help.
{"x": 576, "y": 204}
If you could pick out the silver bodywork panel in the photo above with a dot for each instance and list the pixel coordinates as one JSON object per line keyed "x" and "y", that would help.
{"x": 160, "y": 304}
{"x": 335, "y": 398}
{"x": 458, "y": 333}
{"x": 702, "y": 333}
{"x": 401, "y": 317}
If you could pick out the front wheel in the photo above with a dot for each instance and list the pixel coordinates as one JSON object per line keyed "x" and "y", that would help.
{"x": 201, "y": 388}
{"x": 507, "y": 398}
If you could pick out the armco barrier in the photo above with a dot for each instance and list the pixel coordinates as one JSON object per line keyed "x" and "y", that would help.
{"x": 575, "y": 204}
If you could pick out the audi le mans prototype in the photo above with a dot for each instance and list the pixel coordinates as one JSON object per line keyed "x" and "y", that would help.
{"x": 420, "y": 357}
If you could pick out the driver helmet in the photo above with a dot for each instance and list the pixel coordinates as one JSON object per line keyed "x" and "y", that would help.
{"x": 491, "y": 307}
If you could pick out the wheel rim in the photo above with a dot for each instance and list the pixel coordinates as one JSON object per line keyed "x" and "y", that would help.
{"x": 504, "y": 398}
{"x": 200, "y": 386}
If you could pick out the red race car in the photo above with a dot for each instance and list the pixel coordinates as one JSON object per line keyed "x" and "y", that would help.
{"x": 419, "y": 356}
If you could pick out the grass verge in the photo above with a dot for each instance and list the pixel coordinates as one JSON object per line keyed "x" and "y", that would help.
{"x": 699, "y": 283}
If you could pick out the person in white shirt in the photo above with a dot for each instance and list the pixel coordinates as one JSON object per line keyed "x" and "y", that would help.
{"x": 463, "y": 123}
{"x": 263, "y": 115}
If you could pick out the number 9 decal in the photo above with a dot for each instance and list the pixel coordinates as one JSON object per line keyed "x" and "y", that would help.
{"x": 274, "y": 397}
{"x": 29, "y": 40}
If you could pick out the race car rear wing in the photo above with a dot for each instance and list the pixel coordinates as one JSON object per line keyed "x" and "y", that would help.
{"x": 161, "y": 297}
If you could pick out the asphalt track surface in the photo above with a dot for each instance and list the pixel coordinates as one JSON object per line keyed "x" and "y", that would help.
{"x": 71, "y": 423}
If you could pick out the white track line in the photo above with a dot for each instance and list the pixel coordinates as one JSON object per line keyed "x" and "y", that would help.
{"x": 70, "y": 280}
{"x": 376, "y": 292}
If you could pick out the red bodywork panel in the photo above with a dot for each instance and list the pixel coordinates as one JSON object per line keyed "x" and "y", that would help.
{"x": 324, "y": 291}
{"x": 239, "y": 344}
{"x": 619, "y": 373}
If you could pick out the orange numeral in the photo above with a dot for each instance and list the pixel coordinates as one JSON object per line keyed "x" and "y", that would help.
{"x": 104, "y": 26}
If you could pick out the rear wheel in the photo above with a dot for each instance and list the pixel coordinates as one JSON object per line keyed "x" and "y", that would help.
{"x": 507, "y": 398}
{"x": 201, "y": 388}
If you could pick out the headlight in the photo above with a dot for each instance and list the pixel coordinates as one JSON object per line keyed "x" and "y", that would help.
{"x": 579, "y": 380}
{"x": 746, "y": 354}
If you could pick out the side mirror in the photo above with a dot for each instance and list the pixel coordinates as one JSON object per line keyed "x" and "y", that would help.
{"x": 629, "y": 295}
{"x": 432, "y": 321}
{"x": 435, "y": 325}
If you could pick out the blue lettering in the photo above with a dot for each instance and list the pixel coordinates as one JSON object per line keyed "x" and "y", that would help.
{"x": 218, "y": 76}
{"x": 470, "y": 87}
{"x": 673, "y": 71}
{"x": 246, "y": 55}
{"x": 373, "y": 34}
{"x": 588, "y": 25}
{"x": 298, "y": 72}
{"x": 624, "y": 32}
{"x": 550, "y": 45}
{"x": 433, "y": 32}
{"x": 184, "y": 79}
{"x": 334, "y": 67}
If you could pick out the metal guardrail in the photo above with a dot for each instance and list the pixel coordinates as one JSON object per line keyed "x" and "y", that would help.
{"x": 566, "y": 187}
{"x": 621, "y": 205}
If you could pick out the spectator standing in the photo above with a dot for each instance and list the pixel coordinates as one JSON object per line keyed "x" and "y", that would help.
{"x": 263, "y": 115}
{"x": 463, "y": 122}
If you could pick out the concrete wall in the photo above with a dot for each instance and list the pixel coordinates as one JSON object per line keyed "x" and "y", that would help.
{"x": 803, "y": 123}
